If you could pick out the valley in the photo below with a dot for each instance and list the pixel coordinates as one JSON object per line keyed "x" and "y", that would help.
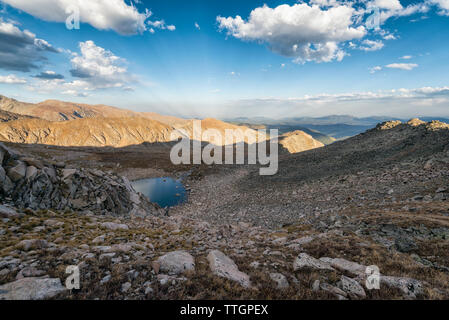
{"x": 379, "y": 198}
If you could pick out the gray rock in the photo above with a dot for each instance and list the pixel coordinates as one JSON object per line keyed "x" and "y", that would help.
{"x": 405, "y": 244}
{"x": 333, "y": 290}
{"x": 106, "y": 279}
{"x": 224, "y": 267}
{"x": 352, "y": 287}
{"x": 280, "y": 279}
{"x": 305, "y": 261}
{"x": 345, "y": 265}
{"x": 125, "y": 287}
{"x": 17, "y": 172}
{"x": 29, "y": 272}
{"x": 410, "y": 287}
{"x": 176, "y": 262}
{"x": 31, "y": 289}
{"x": 33, "y": 244}
{"x": 114, "y": 226}
{"x": 31, "y": 172}
{"x": 6, "y": 184}
{"x": 9, "y": 213}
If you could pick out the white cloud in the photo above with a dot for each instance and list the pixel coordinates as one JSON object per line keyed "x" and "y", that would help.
{"x": 406, "y": 57}
{"x": 389, "y": 37}
{"x": 99, "y": 67}
{"x": 402, "y": 66}
{"x": 443, "y": 5}
{"x": 12, "y": 79}
{"x": 160, "y": 24}
{"x": 20, "y": 50}
{"x": 371, "y": 45}
{"x": 114, "y": 15}
{"x": 197, "y": 26}
{"x": 388, "y": 4}
{"x": 393, "y": 8}
{"x": 375, "y": 69}
{"x": 303, "y": 32}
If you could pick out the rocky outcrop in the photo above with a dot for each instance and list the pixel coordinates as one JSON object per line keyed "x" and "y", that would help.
{"x": 35, "y": 184}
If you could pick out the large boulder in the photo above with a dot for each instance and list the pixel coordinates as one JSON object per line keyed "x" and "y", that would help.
{"x": 176, "y": 262}
{"x": 18, "y": 171}
{"x": 304, "y": 261}
{"x": 224, "y": 267}
{"x": 31, "y": 289}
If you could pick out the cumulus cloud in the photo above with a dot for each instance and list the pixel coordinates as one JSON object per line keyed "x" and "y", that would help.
{"x": 12, "y": 79}
{"x": 116, "y": 15}
{"x": 406, "y": 57}
{"x": 99, "y": 68}
{"x": 49, "y": 75}
{"x": 402, "y": 66}
{"x": 20, "y": 50}
{"x": 301, "y": 31}
{"x": 371, "y": 45}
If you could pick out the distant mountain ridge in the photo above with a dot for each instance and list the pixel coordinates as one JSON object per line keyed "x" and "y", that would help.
{"x": 71, "y": 124}
{"x": 333, "y": 126}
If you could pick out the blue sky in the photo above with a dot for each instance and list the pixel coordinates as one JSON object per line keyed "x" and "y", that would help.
{"x": 198, "y": 58}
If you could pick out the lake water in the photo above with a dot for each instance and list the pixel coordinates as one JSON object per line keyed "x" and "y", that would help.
{"x": 166, "y": 192}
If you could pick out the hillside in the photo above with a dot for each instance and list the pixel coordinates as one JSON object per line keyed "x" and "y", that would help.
{"x": 309, "y": 232}
{"x": 299, "y": 141}
{"x": 116, "y": 132}
{"x": 6, "y": 116}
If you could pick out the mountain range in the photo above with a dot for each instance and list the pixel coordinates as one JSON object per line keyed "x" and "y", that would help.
{"x": 59, "y": 123}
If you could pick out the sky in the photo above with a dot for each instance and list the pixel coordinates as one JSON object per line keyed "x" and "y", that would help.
{"x": 233, "y": 58}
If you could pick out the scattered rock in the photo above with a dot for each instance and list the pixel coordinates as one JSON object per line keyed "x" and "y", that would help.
{"x": 114, "y": 226}
{"x": 125, "y": 287}
{"x": 176, "y": 262}
{"x": 305, "y": 261}
{"x": 345, "y": 265}
{"x": 33, "y": 244}
{"x": 224, "y": 267}
{"x": 280, "y": 279}
{"x": 352, "y": 287}
{"x": 410, "y": 287}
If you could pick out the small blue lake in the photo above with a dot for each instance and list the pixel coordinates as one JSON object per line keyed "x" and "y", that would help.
{"x": 166, "y": 192}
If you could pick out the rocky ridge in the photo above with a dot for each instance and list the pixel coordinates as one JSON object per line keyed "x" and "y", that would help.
{"x": 42, "y": 184}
